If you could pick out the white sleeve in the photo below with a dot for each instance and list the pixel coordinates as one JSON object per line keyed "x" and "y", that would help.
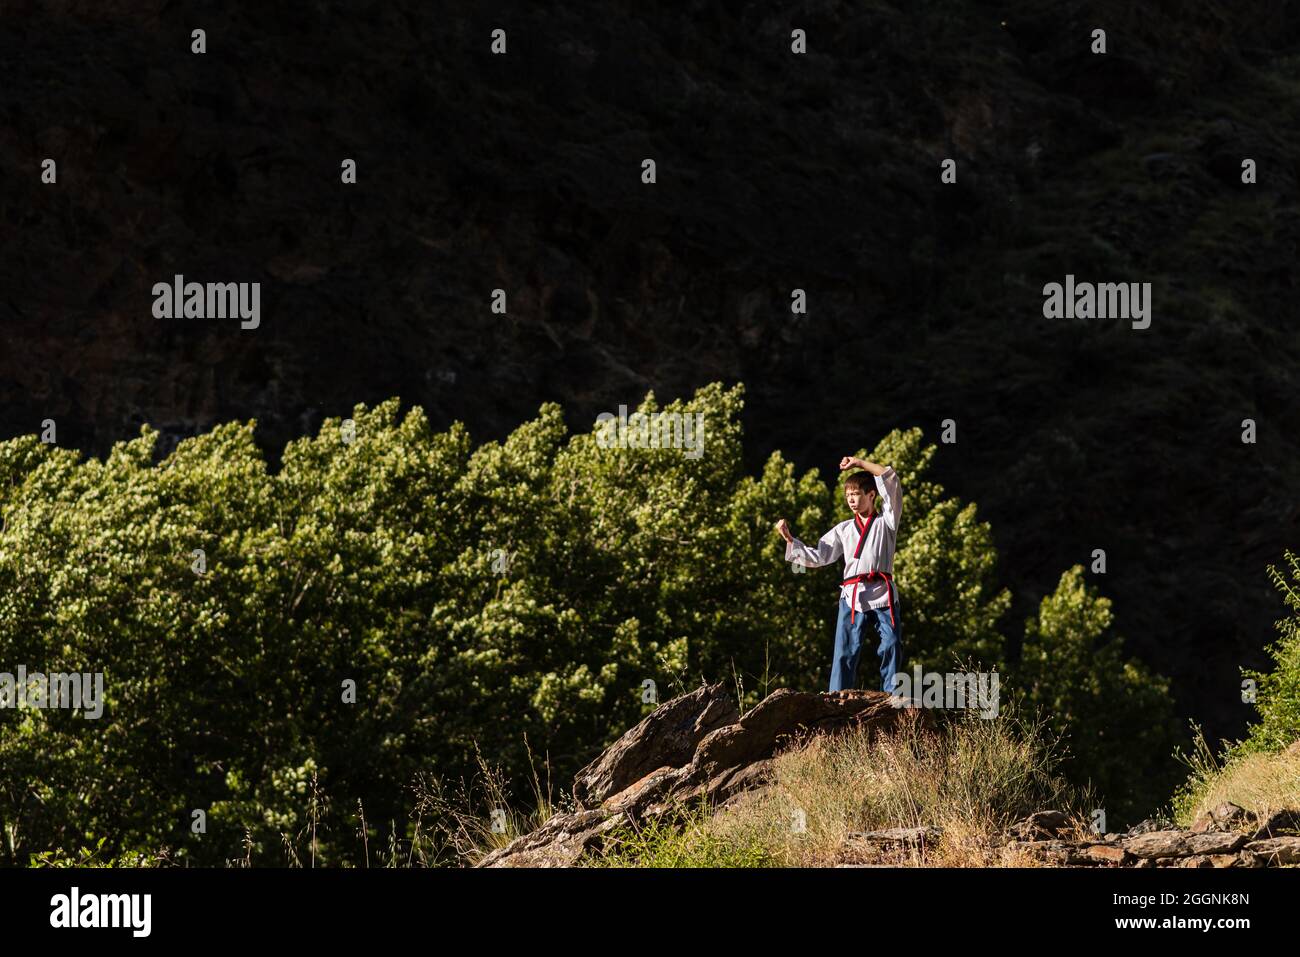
{"x": 828, "y": 550}
{"x": 891, "y": 496}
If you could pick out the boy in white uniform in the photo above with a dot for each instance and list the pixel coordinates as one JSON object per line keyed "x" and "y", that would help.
{"x": 866, "y": 543}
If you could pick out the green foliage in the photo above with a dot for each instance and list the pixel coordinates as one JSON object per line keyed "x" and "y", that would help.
{"x": 93, "y": 857}
{"x": 1115, "y": 714}
{"x": 1277, "y": 693}
{"x": 691, "y": 842}
{"x": 496, "y": 601}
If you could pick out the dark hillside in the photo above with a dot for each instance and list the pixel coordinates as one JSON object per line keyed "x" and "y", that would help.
{"x": 775, "y": 172}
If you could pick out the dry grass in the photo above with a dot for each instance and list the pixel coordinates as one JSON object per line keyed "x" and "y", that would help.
{"x": 1261, "y": 782}
{"x": 971, "y": 778}
{"x": 462, "y": 825}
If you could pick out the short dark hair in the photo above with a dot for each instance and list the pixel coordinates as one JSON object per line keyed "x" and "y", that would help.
{"x": 864, "y": 482}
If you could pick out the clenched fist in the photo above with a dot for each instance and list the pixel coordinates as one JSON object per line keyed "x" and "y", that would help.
{"x": 784, "y": 528}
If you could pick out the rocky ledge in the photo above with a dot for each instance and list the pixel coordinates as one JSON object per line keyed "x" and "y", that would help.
{"x": 694, "y": 746}
{"x": 699, "y": 746}
{"x": 1227, "y": 836}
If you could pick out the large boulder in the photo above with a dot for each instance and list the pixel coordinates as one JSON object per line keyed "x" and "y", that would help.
{"x": 696, "y": 746}
{"x": 666, "y": 738}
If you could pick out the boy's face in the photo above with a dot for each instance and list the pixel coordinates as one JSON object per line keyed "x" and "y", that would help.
{"x": 858, "y": 501}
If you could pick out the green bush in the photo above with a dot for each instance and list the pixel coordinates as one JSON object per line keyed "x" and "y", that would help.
{"x": 1277, "y": 693}
{"x": 510, "y": 598}
{"x": 1114, "y": 714}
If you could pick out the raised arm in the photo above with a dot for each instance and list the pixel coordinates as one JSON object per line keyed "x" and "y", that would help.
{"x": 887, "y": 486}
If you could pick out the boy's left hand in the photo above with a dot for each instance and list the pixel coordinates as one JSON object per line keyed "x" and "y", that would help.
{"x": 849, "y": 462}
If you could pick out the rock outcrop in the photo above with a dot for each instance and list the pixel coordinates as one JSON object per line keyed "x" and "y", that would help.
{"x": 696, "y": 746}
{"x": 1049, "y": 839}
{"x": 1226, "y": 836}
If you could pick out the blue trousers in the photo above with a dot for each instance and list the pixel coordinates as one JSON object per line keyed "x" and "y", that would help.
{"x": 850, "y": 637}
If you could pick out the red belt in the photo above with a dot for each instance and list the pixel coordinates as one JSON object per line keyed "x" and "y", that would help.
{"x": 854, "y": 581}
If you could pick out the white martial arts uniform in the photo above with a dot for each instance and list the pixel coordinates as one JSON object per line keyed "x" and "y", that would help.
{"x": 875, "y": 557}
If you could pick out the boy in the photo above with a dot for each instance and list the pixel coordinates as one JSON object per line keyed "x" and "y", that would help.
{"x": 868, "y": 598}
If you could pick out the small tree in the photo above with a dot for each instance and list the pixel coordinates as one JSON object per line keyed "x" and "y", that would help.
{"x": 1116, "y": 716}
{"x": 1277, "y": 693}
